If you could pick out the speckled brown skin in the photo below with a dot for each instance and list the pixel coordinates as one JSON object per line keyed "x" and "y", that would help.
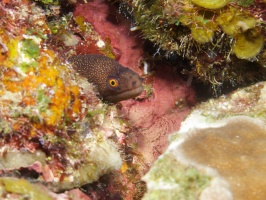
{"x": 115, "y": 82}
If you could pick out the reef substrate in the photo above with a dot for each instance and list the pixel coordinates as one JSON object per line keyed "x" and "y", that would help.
{"x": 218, "y": 153}
{"x": 54, "y": 129}
{"x": 223, "y": 40}
{"x": 166, "y": 95}
{"x": 52, "y": 122}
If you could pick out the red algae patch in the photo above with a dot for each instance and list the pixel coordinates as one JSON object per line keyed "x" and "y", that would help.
{"x": 150, "y": 120}
{"x": 156, "y": 117}
{"x": 125, "y": 46}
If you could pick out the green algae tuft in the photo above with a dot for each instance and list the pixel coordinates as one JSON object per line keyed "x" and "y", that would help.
{"x": 168, "y": 179}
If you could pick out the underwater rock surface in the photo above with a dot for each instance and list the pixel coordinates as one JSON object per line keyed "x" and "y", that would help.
{"x": 168, "y": 98}
{"x": 53, "y": 126}
{"x": 215, "y": 36}
{"x": 218, "y": 153}
{"x": 54, "y": 129}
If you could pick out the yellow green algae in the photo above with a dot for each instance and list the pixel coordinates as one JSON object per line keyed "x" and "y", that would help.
{"x": 46, "y": 107}
{"x": 168, "y": 179}
{"x": 48, "y": 2}
{"x": 233, "y": 21}
{"x": 212, "y": 35}
{"x": 24, "y": 188}
{"x": 222, "y": 139}
{"x": 211, "y": 4}
{"x": 247, "y": 45}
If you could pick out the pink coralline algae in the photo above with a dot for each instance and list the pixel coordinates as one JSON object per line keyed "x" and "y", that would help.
{"x": 154, "y": 118}
{"x": 150, "y": 119}
{"x": 114, "y": 30}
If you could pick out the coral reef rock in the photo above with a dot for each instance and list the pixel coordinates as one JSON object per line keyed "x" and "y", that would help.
{"x": 218, "y": 153}
{"x": 153, "y": 117}
{"x": 213, "y": 35}
{"x": 54, "y": 129}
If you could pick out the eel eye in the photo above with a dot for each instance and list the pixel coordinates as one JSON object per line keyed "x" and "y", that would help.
{"x": 113, "y": 82}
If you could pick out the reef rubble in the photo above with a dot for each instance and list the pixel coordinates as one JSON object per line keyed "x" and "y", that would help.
{"x": 218, "y": 153}
{"x": 52, "y": 122}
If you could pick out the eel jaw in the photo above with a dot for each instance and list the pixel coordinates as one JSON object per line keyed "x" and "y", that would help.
{"x": 124, "y": 95}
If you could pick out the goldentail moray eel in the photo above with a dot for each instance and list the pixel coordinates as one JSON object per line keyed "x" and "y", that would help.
{"x": 115, "y": 82}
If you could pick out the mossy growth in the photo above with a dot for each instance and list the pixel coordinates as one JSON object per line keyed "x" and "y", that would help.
{"x": 244, "y": 3}
{"x": 31, "y": 48}
{"x": 170, "y": 180}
